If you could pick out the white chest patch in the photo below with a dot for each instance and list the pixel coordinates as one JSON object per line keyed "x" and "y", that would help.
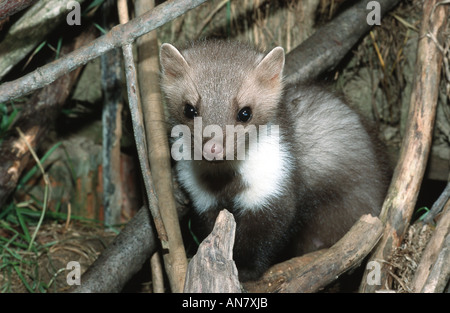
{"x": 263, "y": 175}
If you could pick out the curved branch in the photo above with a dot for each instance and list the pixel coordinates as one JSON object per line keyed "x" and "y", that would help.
{"x": 311, "y": 272}
{"x": 402, "y": 194}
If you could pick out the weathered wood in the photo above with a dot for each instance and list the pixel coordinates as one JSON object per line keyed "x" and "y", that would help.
{"x": 29, "y": 31}
{"x": 438, "y": 205}
{"x": 347, "y": 253}
{"x": 159, "y": 154}
{"x": 402, "y": 195}
{"x": 8, "y": 8}
{"x": 280, "y": 273}
{"x": 123, "y": 258}
{"x": 175, "y": 255}
{"x": 157, "y": 273}
{"x": 438, "y": 246}
{"x": 440, "y": 273}
{"x": 212, "y": 269}
{"x": 139, "y": 137}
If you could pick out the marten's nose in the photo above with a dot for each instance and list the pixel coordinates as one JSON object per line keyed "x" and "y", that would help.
{"x": 213, "y": 150}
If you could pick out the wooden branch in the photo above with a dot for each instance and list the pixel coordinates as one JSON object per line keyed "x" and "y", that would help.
{"x": 402, "y": 195}
{"x": 8, "y": 8}
{"x": 29, "y": 31}
{"x": 280, "y": 273}
{"x": 212, "y": 269}
{"x": 139, "y": 137}
{"x": 432, "y": 267}
{"x": 159, "y": 156}
{"x": 438, "y": 205}
{"x": 35, "y": 120}
{"x": 175, "y": 258}
{"x": 122, "y": 10}
{"x": 323, "y": 50}
{"x": 117, "y": 37}
{"x": 157, "y": 273}
{"x": 158, "y": 151}
{"x": 122, "y": 258}
{"x": 440, "y": 273}
{"x": 347, "y": 253}
{"x": 125, "y": 256}
{"x": 307, "y": 273}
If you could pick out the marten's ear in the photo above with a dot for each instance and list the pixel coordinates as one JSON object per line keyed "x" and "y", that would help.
{"x": 172, "y": 62}
{"x": 270, "y": 70}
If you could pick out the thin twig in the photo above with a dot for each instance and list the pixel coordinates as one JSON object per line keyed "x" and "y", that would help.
{"x": 377, "y": 50}
{"x": 69, "y": 215}
{"x": 399, "y": 281}
{"x": 438, "y": 205}
{"x": 138, "y": 125}
{"x": 46, "y": 190}
{"x": 139, "y": 136}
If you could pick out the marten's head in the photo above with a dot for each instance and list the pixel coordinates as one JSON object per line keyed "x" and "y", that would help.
{"x": 226, "y": 84}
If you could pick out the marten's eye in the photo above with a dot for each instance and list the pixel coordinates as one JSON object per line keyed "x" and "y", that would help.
{"x": 190, "y": 111}
{"x": 244, "y": 115}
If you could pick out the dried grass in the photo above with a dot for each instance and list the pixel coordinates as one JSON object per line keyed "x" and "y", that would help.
{"x": 407, "y": 257}
{"x": 44, "y": 270}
